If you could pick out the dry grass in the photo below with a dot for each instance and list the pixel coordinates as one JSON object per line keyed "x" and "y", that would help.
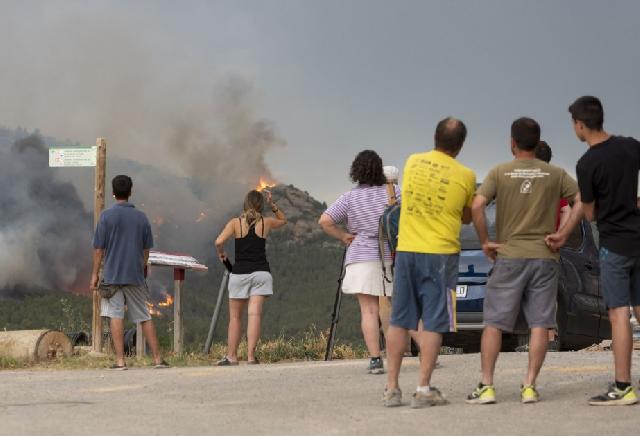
{"x": 310, "y": 345}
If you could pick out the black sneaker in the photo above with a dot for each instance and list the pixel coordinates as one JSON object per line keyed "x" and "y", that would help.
{"x": 226, "y": 362}
{"x": 615, "y": 397}
{"x": 376, "y": 366}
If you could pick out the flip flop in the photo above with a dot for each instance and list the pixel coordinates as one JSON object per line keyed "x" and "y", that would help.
{"x": 162, "y": 365}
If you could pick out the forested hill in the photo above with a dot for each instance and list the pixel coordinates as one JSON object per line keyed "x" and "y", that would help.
{"x": 305, "y": 265}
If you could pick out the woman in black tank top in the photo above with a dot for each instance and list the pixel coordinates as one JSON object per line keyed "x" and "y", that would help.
{"x": 250, "y": 282}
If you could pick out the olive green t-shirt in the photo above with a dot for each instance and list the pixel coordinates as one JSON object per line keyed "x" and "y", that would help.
{"x": 527, "y": 193}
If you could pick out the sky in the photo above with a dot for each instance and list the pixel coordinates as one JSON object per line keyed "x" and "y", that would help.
{"x": 334, "y": 77}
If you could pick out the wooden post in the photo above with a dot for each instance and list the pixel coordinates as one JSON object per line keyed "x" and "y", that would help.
{"x": 178, "y": 287}
{"x": 98, "y": 207}
{"x": 141, "y": 344}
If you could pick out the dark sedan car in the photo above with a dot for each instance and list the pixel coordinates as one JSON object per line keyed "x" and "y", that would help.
{"x": 581, "y": 316}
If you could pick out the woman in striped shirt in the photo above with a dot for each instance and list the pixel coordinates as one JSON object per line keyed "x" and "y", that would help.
{"x": 360, "y": 210}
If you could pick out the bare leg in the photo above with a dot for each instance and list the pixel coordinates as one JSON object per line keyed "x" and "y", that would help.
{"x": 117, "y": 335}
{"x": 622, "y": 342}
{"x": 236, "y": 309}
{"x": 490, "y": 348}
{"x": 538, "y": 344}
{"x": 253, "y": 325}
{"x": 370, "y": 323}
{"x": 429, "y": 343}
{"x": 384, "y": 304}
{"x": 149, "y": 331}
{"x": 415, "y": 335}
{"x": 396, "y": 343}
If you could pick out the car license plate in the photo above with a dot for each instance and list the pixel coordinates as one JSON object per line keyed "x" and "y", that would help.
{"x": 461, "y": 291}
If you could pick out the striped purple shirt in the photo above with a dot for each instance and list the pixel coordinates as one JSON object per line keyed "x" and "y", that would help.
{"x": 361, "y": 209}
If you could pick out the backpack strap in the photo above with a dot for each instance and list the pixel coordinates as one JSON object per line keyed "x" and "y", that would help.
{"x": 391, "y": 192}
{"x": 381, "y": 245}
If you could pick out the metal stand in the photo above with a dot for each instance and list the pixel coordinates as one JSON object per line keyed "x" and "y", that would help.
{"x": 335, "y": 316}
{"x": 216, "y": 312}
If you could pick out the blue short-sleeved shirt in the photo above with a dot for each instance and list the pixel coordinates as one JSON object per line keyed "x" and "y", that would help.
{"x": 124, "y": 233}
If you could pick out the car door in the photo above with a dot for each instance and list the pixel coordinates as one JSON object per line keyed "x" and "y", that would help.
{"x": 579, "y": 282}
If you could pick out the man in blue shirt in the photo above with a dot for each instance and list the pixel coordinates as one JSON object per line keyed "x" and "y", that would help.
{"x": 123, "y": 239}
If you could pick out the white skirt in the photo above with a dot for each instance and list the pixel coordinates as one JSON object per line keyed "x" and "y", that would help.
{"x": 367, "y": 278}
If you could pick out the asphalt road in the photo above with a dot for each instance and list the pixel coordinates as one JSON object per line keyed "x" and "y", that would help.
{"x": 332, "y": 398}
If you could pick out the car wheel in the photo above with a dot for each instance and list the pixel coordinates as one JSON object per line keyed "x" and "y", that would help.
{"x": 522, "y": 342}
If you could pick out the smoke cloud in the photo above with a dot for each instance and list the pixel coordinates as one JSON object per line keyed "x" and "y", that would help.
{"x": 189, "y": 134}
{"x": 44, "y": 230}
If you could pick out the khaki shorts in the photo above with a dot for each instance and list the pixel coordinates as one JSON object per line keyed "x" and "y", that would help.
{"x": 530, "y": 284}
{"x": 134, "y": 297}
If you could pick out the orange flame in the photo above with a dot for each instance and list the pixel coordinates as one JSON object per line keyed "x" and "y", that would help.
{"x": 168, "y": 301}
{"x": 264, "y": 184}
{"x": 153, "y": 311}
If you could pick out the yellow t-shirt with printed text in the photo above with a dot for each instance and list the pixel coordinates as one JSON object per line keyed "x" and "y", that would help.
{"x": 435, "y": 190}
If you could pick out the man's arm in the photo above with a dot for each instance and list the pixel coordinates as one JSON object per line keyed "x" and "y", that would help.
{"x": 556, "y": 240}
{"x": 589, "y": 211}
{"x": 98, "y": 254}
{"x": 478, "y": 207}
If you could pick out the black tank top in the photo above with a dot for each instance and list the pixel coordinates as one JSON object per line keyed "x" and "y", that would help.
{"x": 251, "y": 254}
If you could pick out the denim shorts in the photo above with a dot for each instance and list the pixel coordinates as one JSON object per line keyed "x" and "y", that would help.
{"x": 424, "y": 289}
{"x": 135, "y": 297}
{"x": 620, "y": 279}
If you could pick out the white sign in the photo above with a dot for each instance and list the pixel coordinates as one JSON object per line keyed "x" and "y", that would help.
{"x": 72, "y": 156}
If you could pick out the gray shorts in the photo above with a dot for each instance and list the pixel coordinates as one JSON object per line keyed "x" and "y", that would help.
{"x": 530, "y": 284}
{"x": 243, "y": 286}
{"x": 135, "y": 297}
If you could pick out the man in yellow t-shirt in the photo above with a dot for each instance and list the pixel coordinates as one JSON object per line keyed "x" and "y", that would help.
{"x": 436, "y": 199}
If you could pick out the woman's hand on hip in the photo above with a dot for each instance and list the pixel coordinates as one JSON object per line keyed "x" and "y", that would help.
{"x": 348, "y": 238}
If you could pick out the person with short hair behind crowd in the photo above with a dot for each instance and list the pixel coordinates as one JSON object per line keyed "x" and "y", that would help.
{"x": 544, "y": 153}
{"x": 360, "y": 209}
{"x": 608, "y": 180}
{"x": 250, "y": 282}
{"x": 123, "y": 239}
{"x": 525, "y": 274}
{"x": 436, "y": 198}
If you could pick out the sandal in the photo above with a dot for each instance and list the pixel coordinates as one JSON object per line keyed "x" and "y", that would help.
{"x": 116, "y": 367}
{"x": 226, "y": 362}
{"x": 162, "y": 365}
{"x": 255, "y": 361}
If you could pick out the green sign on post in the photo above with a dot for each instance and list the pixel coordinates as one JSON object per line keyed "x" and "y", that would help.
{"x": 72, "y": 156}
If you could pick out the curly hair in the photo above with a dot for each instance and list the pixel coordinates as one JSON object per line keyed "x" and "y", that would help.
{"x": 366, "y": 169}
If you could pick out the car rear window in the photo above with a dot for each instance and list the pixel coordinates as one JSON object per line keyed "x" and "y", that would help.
{"x": 468, "y": 236}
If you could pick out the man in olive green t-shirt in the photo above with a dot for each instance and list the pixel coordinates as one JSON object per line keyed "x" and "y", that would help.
{"x": 525, "y": 275}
